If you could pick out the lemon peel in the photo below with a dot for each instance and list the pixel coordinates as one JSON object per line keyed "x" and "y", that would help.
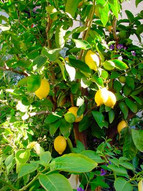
{"x": 60, "y": 144}
{"x": 111, "y": 101}
{"x": 121, "y": 125}
{"x": 43, "y": 90}
{"x": 74, "y": 110}
{"x": 101, "y": 96}
{"x": 92, "y": 60}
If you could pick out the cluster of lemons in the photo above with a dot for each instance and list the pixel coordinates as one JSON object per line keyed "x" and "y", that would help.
{"x": 102, "y": 96}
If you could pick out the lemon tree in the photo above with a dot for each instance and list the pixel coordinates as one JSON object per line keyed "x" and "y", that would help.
{"x": 70, "y": 96}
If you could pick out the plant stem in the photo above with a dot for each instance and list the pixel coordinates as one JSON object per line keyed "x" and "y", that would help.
{"x": 31, "y": 182}
{"x": 88, "y": 24}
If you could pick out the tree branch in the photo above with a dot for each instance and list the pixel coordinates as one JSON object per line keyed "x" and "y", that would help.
{"x": 38, "y": 113}
{"x": 13, "y": 70}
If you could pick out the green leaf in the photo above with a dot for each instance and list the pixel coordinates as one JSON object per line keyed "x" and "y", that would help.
{"x": 130, "y": 16}
{"x": 83, "y": 124}
{"x": 79, "y": 65}
{"x": 40, "y": 61}
{"x": 130, "y": 82}
{"x": 53, "y": 127}
{"x": 97, "y": 80}
{"x": 33, "y": 83}
{"x": 126, "y": 90}
{"x": 81, "y": 110}
{"x": 117, "y": 86}
{"x": 111, "y": 115}
{"x": 65, "y": 128}
{"x": 104, "y": 13}
{"x": 54, "y": 182}
{"x": 75, "y": 163}
{"x": 27, "y": 169}
{"x": 118, "y": 170}
{"x": 83, "y": 44}
{"x": 120, "y": 64}
{"x": 59, "y": 36}
{"x": 129, "y": 149}
{"x": 124, "y": 109}
{"x": 115, "y": 7}
{"x": 132, "y": 106}
{"x": 23, "y": 81}
{"x": 22, "y": 156}
{"x": 71, "y": 7}
{"x": 52, "y": 55}
{"x": 127, "y": 165}
{"x": 121, "y": 184}
{"x": 137, "y": 136}
{"x": 62, "y": 67}
{"x": 137, "y": 99}
{"x": 137, "y": 2}
{"x": 52, "y": 118}
{"x": 99, "y": 118}
{"x": 45, "y": 158}
{"x": 92, "y": 155}
{"x": 109, "y": 65}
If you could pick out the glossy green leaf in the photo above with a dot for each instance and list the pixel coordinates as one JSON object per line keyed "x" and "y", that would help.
{"x": 22, "y": 156}
{"x": 109, "y": 65}
{"x": 99, "y": 118}
{"x": 45, "y": 158}
{"x": 79, "y": 65}
{"x": 121, "y": 184}
{"x": 137, "y": 99}
{"x": 71, "y": 7}
{"x": 124, "y": 109}
{"x": 53, "y": 127}
{"x": 137, "y": 136}
{"x": 127, "y": 90}
{"x": 65, "y": 128}
{"x": 75, "y": 163}
{"x": 40, "y": 61}
{"x": 62, "y": 67}
{"x": 137, "y": 2}
{"x": 27, "y": 169}
{"x": 130, "y": 15}
{"x": 111, "y": 115}
{"x": 83, "y": 124}
{"x": 130, "y": 82}
{"x": 54, "y": 182}
{"x": 33, "y": 83}
{"x": 120, "y": 64}
{"x": 131, "y": 105}
{"x": 117, "y": 86}
{"x": 118, "y": 170}
{"x": 115, "y": 7}
{"x": 59, "y": 36}
{"x": 83, "y": 44}
{"x": 52, "y": 118}
{"x": 92, "y": 155}
{"x": 129, "y": 149}
{"x": 104, "y": 13}
{"x": 52, "y": 55}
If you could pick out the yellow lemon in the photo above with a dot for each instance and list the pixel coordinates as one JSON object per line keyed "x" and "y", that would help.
{"x": 101, "y": 96}
{"x": 60, "y": 144}
{"x": 140, "y": 185}
{"x": 74, "y": 110}
{"x": 121, "y": 125}
{"x": 92, "y": 60}
{"x": 43, "y": 90}
{"x": 111, "y": 101}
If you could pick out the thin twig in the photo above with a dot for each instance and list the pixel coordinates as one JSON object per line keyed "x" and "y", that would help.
{"x": 13, "y": 70}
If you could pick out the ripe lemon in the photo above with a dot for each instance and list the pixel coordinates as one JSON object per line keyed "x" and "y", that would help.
{"x": 92, "y": 60}
{"x": 74, "y": 110}
{"x": 101, "y": 96}
{"x": 121, "y": 125}
{"x": 60, "y": 144}
{"x": 43, "y": 90}
{"x": 111, "y": 101}
{"x": 140, "y": 185}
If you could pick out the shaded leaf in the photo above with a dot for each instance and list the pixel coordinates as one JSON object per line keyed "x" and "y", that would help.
{"x": 137, "y": 136}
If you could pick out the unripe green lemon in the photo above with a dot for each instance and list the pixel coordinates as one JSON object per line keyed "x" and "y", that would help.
{"x": 122, "y": 79}
{"x": 70, "y": 117}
